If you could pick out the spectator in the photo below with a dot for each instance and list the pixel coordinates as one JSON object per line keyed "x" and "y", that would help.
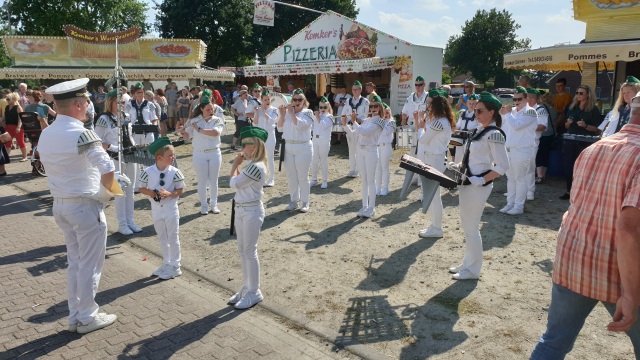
{"x": 126, "y": 98}
{"x": 338, "y": 104}
{"x": 13, "y": 124}
{"x": 99, "y": 99}
{"x": 524, "y": 81}
{"x": 167, "y": 86}
{"x": 239, "y": 109}
{"x": 329, "y": 95}
{"x": 3, "y": 102}
{"x": 148, "y": 86}
{"x": 311, "y": 96}
{"x": 161, "y": 100}
{"x": 290, "y": 87}
{"x": 619, "y": 116}
{"x": 22, "y": 93}
{"x": 371, "y": 90}
{"x": 35, "y": 105}
{"x": 561, "y": 99}
{"x": 277, "y": 88}
{"x": 469, "y": 88}
{"x": 172, "y": 98}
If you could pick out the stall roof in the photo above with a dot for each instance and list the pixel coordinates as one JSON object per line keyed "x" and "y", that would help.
{"x": 325, "y": 67}
{"x": 105, "y": 73}
{"x": 572, "y": 57}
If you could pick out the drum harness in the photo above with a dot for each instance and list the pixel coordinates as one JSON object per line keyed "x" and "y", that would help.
{"x": 465, "y": 170}
{"x": 354, "y": 108}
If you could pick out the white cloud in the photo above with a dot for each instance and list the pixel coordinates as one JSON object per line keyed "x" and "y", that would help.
{"x": 416, "y": 30}
{"x": 433, "y": 5}
{"x": 564, "y": 17}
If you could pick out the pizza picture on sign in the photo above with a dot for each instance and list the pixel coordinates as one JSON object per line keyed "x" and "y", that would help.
{"x": 171, "y": 50}
{"x": 358, "y": 43}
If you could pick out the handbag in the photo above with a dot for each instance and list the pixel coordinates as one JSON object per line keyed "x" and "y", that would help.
{"x": 5, "y": 137}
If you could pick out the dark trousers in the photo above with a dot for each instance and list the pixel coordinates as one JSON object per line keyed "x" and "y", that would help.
{"x": 239, "y": 125}
{"x": 571, "y": 150}
{"x": 544, "y": 148}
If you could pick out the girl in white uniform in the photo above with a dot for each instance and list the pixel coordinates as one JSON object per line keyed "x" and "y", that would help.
{"x": 385, "y": 150}
{"x": 295, "y": 123}
{"x": 359, "y": 105}
{"x": 249, "y": 212}
{"x": 485, "y": 160}
{"x": 267, "y": 119}
{"x": 108, "y": 131}
{"x": 433, "y": 142}
{"x": 367, "y": 135}
{"x": 322, "y": 125}
{"x": 205, "y": 131}
{"x": 466, "y": 122}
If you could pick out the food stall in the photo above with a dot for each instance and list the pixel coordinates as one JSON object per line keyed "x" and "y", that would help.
{"x": 338, "y": 50}
{"x": 92, "y": 54}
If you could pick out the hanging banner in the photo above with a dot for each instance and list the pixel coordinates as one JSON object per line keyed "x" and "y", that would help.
{"x": 264, "y": 13}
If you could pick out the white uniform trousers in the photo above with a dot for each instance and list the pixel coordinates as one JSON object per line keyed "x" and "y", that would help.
{"x": 248, "y": 223}
{"x": 207, "y": 167}
{"x": 297, "y": 161}
{"x": 519, "y": 159}
{"x": 437, "y": 161}
{"x": 352, "y": 142}
{"x": 85, "y": 232}
{"x": 382, "y": 169}
{"x": 367, "y": 162}
{"x": 270, "y": 146}
{"x": 472, "y": 201}
{"x": 531, "y": 174}
{"x": 166, "y": 221}
{"x": 124, "y": 204}
{"x": 320, "y": 158}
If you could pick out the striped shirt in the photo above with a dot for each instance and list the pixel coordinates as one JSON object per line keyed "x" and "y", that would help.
{"x": 605, "y": 180}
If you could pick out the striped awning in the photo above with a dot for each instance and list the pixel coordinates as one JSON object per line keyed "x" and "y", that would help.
{"x": 105, "y": 73}
{"x": 323, "y": 67}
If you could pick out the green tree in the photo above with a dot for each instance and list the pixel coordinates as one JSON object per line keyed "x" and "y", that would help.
{"x": 46, "y": 18}
{"x": 483, "y": 42}
{"x": 446, "y": 78}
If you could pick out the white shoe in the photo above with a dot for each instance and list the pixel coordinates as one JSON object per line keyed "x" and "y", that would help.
{"x": 516, "y": 210}
{"x": 135, "y": 228}
{"x": 384, "y": 192}
{"x": 268, "y": 184}
{"x": 237, "y": 296}
{"x": 249, "y": 299}
{"x": 506, "y": 208}
{"x": 292, "y": 206}
{"x": 73, "y": 328}
{"x": 305, "y": 207}
{"x": 324, "y": 185}
{"x": 456, "y": 269}
{"x": 431, "y": 232}
{"x": 313, "y": 183}
{"x": 170, "y": 273}
{"x": 215, "y": 210}
{"x": 369, "y": 213}
{"x": 352, "y": 174}
{"x": 361, "y": 211}
{"x": 530, "y": 196}
{"x": 160, "y": 270}
{"x": 465, "y": 275}
{"x": 125, "y": 230}
{"x": 505, "y": 194}
{"x": 378, "y": 191}
{"x": 101, "y": 320}
{"x": 204, "y": 210}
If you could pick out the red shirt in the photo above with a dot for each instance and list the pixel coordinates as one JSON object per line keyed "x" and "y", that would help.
{"x": 606, "y": 178}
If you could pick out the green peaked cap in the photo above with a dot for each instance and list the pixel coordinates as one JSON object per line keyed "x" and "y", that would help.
{"x": 265, "y": 92}
{"x": 298, "y": 91}
{"x": 473, "y": 97}
{"x": 205, "y": 100}
{"x": 488, "y": 98}
{"x": 207, "y": 92}
{"x": 138, "y": 85}
{"x": 437, "y": 92}
{"x": 376, "y": 98}
{"x": 384, "y": 105}
{"x": 254, "y": 131}
{"x": 324, "y": 99}
{"x": 533, "y": 91}
{"x": 357, "y": 83}
{"x": 159, "y": 144}
{"x": 632, "y": 80}
{"x": 420, "y": 78}
{"x": 112, "y": 93}
{"x": 256, "y": 86}
{"x": 520, "y": 90}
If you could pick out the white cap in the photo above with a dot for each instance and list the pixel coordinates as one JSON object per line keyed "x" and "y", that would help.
{"x": 69, "y": 89}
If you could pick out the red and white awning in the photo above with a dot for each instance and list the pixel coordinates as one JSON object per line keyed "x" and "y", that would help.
{"x": 323, "y": 67}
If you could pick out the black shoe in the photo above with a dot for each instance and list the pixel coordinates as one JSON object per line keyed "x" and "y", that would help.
{"x": 566, "y": 196}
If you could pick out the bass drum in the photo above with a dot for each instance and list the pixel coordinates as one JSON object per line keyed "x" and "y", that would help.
{"x": 280, "y": 99}
{"x": 337, "y": 125}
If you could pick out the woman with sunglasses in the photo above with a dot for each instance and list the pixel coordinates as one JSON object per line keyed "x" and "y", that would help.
{"x": 205, "y": 131}
{"x": 295, "y": 123}
{"x": 367, "y": 136}
{"x": 322, "y": 125}
{"x": 267, "y": 118}
{"x": 583, "y": 118}
{"x": 434, "y": 133}
{"x": 484, "y": 160}
{"x": 385, "y": 150}
{"x": 621, "y": 113}
{"x": 249, "y": 211}
{"x": 519, "y": 124}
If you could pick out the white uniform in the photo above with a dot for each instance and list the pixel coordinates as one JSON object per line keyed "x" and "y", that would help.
{"x": 269, "y": 123}
{"x": 321, "y": 146}
{"x": 248, "y": 220}
{"x": 207, "y": 158}
{"x": 108, "y": 131}
{"x": 433, "y": 143}
{"x": 385, "y": 150}
{"x": 148, "y": 115}
{"x": 543, "y": 119}
{"x": 412, "y": 103}
{"x": 165, "y": 213}
{"x": 75, "y": 160}
{"x": 361, "y": 107}
{"x": 298, "y": 154}
{"x": 252, "y": 105}
{"x": 520, "y": 128}
{"x": 367, "y": 137}
{"x": 610, "y": 123}
{"x": 341, "y": 99}
{"x": 486, "y": 153}
{"x": 241, "y": 108}
{"x": 466, "y": 121}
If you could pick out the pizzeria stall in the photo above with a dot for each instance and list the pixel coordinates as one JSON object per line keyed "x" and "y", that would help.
{"x": 334, "y": 50}
{"x": 92, "y": 55}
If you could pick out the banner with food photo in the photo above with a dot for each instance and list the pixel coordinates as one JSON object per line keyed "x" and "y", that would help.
{"x": 34, "y": 49}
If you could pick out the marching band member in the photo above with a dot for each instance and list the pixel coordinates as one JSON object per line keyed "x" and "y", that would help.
{"x": 109, "y": 132}
{"x": 621, "y": 113}
{"x": 267, "y": 119}
{"x": 385, "y": 150}
{"x": 338, "y": 103}
{"x": 217, "y": 110}
{"x": 433, "y": 141}
{"x": 322, "y": 125}
{"x": 466, "y": 122}
{"x": 80, "y": 176}
{"x": 295, "y": 124}
{"x": 484, "y": 160}
{"x": 239, "y": 109}
{"x": 140, "y": 113}
{"x": 533, "y": 96}
{"x": 205, "y": 131}
{"x": 249, "y": 211}
{"x": 367, "y": 136}
{"x": 412, "y": 105}
{"x": 254, "y": 102}
{"x": 519, "y": 125}
{"x": 359, "y": 105}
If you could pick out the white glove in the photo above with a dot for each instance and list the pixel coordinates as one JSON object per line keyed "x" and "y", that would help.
{"x": 476, "y": 180}
{"x": 103, "y": 195}
{"x": 453, "y": 166}
{"x": 122, "y": 179}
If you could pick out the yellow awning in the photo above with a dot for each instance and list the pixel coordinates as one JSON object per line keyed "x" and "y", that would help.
{"x": 572, "y": 57}
{"x": 104, "y": 73}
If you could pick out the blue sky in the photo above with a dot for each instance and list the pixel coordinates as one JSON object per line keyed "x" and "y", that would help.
{"x": 431, "y": 22}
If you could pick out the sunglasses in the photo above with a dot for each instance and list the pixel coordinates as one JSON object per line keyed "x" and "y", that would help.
{"x": 256, "y": 91}
{"x": 324, "y": 107}
{"x": 419, "y": 85}
{"x": 374, "y": 106}
{"x": 246, "y": 143}
{"x": 297, "y": 100}
{"x": 580, "y": 93}
{"x": 517, "y": 99}
{"x": 481, "y": 111}
{"x": 162, "y": 179}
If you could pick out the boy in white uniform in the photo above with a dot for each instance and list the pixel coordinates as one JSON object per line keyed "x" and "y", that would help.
{"x": 164, "y": 184}
{"x": 322, "y": 125}
{"x": 360, "y": 106}
{"x": 415, "y": 102}
{"x": 533, "y": 96}
{"x": 385, "y": 150}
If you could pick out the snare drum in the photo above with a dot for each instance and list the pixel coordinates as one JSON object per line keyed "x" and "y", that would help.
{"x": 337, "y": 125}
{"x": 457, "y": 140}
{"x": 406, "y": 137}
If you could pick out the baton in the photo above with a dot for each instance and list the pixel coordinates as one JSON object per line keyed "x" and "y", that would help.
{"x": 282, "y": 144}
{"x": 233, "y": 217}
